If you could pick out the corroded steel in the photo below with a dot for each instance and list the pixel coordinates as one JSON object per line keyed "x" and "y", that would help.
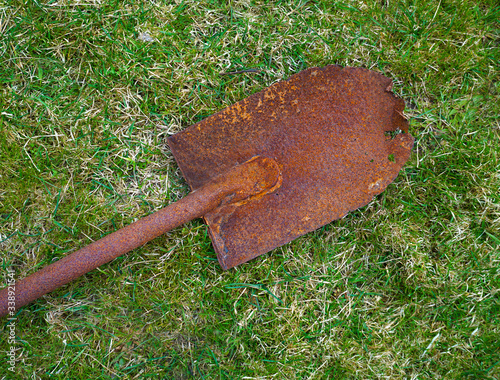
{"x": 266, "y": 170}
{"x": 238, "y": 185}
{"x": 334, "y": 133}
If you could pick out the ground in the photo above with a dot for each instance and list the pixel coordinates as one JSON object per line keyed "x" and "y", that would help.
{"x": 406, "y": 287}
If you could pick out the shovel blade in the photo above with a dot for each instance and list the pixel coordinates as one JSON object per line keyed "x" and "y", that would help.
{"x": 338, "y": 135}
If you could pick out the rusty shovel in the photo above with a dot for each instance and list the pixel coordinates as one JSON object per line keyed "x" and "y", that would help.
{"x": 264, "y": 171}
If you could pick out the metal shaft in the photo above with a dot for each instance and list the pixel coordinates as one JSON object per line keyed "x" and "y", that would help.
{"x": 243, "y": 181}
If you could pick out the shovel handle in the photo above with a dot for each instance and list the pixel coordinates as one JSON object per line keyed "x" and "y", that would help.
{"x": 241, "y": 182}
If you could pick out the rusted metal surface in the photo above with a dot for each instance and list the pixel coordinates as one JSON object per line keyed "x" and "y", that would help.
{"x": 266, "y": 170}
{"x": 326, "y": 128}
{"x": 239, "y": 185}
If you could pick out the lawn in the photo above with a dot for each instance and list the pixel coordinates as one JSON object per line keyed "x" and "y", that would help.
{"x": 407, "y": 287}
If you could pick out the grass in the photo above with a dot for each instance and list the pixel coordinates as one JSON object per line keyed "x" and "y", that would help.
{"x": 407, "y": 287}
